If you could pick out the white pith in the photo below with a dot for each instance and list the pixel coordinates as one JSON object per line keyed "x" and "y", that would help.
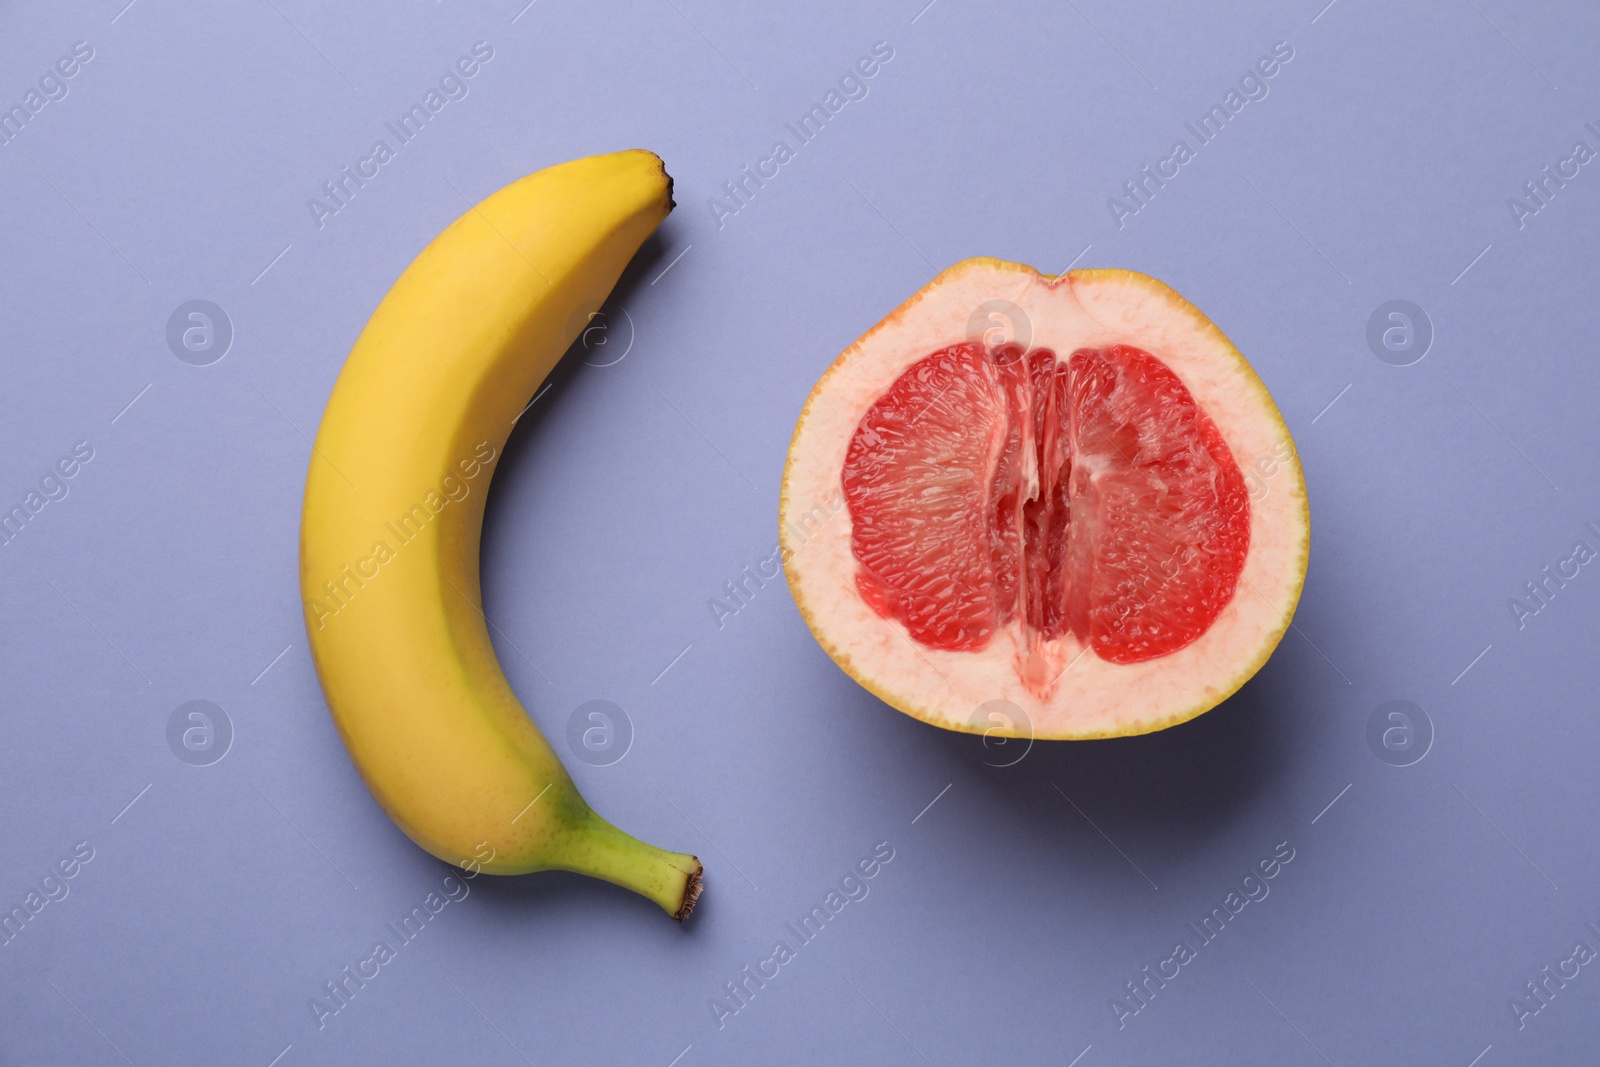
{"x": 1091, "y": 697}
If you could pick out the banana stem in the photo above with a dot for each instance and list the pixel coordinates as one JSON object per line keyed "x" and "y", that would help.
{"x": 600, "y": 850}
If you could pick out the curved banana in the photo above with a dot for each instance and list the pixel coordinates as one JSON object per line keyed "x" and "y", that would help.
{"x": 394, "y": 509}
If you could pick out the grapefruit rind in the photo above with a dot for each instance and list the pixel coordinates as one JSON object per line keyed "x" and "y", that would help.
{"x": 1093, "y": 698}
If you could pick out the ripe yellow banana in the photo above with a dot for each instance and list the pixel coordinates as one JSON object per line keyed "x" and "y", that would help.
{"x": 394, "y": 509}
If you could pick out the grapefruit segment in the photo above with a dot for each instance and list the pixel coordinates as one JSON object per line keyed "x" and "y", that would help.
{"x": 1056, "y": 518}
{"x": 918, "y": 478}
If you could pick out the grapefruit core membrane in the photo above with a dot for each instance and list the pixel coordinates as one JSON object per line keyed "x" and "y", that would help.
{"x": 1052, "y": 514}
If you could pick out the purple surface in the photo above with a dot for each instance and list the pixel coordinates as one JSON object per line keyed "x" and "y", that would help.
{"x": 1375, "y": 165}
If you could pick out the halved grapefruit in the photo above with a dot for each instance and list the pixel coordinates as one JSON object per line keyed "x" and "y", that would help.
{"x": 1068, "y": 494}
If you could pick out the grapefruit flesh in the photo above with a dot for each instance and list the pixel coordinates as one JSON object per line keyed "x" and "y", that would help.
{"x": 1099, "y": 520}
{"x": 987, "y": 486}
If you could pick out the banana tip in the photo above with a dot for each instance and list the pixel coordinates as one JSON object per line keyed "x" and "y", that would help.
{"x": 691, "y": 893}
{"x": 671, "y": 202}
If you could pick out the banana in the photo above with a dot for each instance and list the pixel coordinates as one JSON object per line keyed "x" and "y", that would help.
{"x": 393, "y": 511}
